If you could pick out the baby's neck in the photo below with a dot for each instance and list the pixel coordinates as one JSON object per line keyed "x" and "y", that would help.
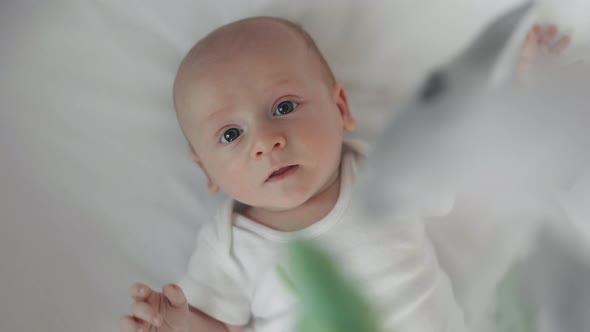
{"x": 306, "y": 214}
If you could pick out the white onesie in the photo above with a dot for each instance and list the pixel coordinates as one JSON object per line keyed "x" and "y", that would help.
{"x": 232, "y": 273}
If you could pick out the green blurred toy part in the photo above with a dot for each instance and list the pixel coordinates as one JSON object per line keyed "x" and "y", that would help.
{"x": 329, "y": 301}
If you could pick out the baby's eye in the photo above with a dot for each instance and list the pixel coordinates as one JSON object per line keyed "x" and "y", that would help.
{"x": 285, "y": 107}
{"x": 230, "y": 135}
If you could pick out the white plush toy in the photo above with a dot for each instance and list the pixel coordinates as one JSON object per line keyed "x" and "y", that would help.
{"x": 492, "y": 172}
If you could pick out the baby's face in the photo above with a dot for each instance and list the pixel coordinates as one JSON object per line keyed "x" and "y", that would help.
{"x": 266, "y": 126}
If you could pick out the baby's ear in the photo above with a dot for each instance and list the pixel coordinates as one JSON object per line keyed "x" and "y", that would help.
{"x": 348, "y": 121}
{"x": 210, "y": 184}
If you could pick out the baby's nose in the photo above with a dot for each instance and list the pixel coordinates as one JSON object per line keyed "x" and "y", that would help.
{"x": 266, "y": 144}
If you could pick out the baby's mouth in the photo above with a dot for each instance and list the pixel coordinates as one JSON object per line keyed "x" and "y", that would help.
{"x": 282, "y": 173}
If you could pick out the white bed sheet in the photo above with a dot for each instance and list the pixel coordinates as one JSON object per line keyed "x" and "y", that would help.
{"x": 96, "y": 187}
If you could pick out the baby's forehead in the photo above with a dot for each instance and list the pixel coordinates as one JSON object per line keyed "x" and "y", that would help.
{"x": 251, "y": 35}
{"x": 240, "y": 49}
{"x": 242, "y": 43}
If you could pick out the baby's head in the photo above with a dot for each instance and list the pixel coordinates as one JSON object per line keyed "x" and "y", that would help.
{"x": 262, "y": 113}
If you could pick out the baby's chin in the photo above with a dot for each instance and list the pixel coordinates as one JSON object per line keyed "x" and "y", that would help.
{"x": 284, "y": 205}
{"x": 296, "y": 198}
{"x": 285, "y": 200}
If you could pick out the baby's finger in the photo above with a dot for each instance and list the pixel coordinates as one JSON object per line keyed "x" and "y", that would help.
{"x": 561, "y": 45}
{"x": 140, "y": 292}
{"x": 132, "y": 324}
{"x": 529, "y": 50}
{"x": 531, "y": 47}
{"x": 535, "y": 33}
{"x": 174, "y": 295}
{"x": 548, "y": 35}
{"x": 145, "y": 312}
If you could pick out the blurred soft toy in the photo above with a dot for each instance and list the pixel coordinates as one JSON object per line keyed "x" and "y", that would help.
{"x": 487, "y": 169}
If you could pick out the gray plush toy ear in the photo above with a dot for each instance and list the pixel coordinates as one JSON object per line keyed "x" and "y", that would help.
{"x": 473, "y": 68}
{"x": 491, "y": 42}
{"x": 416, "y": 131}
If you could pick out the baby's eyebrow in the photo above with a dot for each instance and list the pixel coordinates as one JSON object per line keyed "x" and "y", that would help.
{"x": 216, "y": 115}
{"x": 286, "y": 81}
{"x": 283, "y": 81}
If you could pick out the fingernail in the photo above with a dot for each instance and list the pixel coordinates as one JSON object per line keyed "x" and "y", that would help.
{"x": 156, "y": 321}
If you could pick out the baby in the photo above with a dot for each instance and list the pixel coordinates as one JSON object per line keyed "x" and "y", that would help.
{"x": 265, "y": 117}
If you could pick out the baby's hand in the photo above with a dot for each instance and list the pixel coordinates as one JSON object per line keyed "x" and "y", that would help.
{"x": 167, "y": 311}
{"x": 541, "y": 44}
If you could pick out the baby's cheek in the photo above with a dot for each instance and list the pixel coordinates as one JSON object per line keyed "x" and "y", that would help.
{"x": 322, "y": 139}
{"x": 324, "y": 127}
{"x": 237, "y": 182}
